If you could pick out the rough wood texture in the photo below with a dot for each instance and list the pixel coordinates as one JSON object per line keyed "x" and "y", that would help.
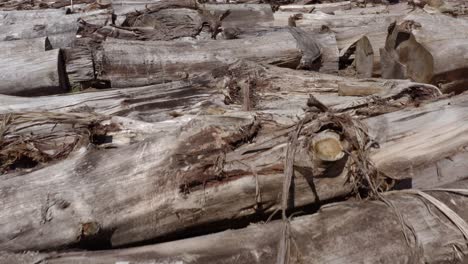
{"x": 421, "y": 48}
{"x": 80, "y": 66}
{"x": 234, "y": 173}
{"x": 348, "y": 232}
{"x": 272, "y": 89}
{"x": 15, "y": 47}
{"x": 59, "y": 28}
{"x": 134, "y": 63}
{"x": 328, "y": 8}
{"x": 332, "y": 21}
{"x": 32, "y": 74}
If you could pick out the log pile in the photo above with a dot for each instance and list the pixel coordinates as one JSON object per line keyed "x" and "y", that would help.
{"x": 189, "y": 131}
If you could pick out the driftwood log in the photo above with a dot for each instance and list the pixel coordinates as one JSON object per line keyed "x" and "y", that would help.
{"x": 409, "y": 227}
{"x": 137, "y": 63}
{"x": 58, "y": 27}
{"x": 30, "y": 74}
{"x": 421, "y": 48}
{"x": 237, "y": 172}
{"x": 320, "y": 19}
{"x": 328, "y": 8}
{"x": 270, "y": 88}
{"x": 15, "y": 47}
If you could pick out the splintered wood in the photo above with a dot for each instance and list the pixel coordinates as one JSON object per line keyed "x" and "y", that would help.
{"x": 141, "y": 131}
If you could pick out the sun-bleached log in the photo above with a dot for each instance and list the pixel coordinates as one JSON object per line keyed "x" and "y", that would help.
{"x": 59, "y": 28}
{"x": 30, "y": 74}
{"x": 138, "y": 63}
{"x": 239, "y": 176}
{"x": 272, "y": 89}
{"x": 411, "y": 230}
{"x": 328, "y": 8}
{"x": 15, "y": 47}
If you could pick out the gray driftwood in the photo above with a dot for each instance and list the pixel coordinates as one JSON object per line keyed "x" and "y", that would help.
{"x": 219, "y": 165}
{"x": 59, "y": 28}
{"x": 30, "y": 74}
{"x": 137, "y": 63}
{"x": 15, "y": 47}
{"x": 406, "y": 228}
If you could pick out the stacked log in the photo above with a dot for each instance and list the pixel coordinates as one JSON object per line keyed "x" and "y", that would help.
{"x": 145, "y": 129}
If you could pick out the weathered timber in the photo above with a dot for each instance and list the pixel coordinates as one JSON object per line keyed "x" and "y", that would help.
{"x": 195, "y": 180}
{"x": 59, "y": 28}
{"x": 421, "y": 48}
{"x": 187, "y": 20}
{"x": 272, "y": 89}
{"x": 411, "y": 230}
{"x": 30, "y": 74}
{"x": 241, "y": 15}
{"x": 137, "y": 63}
{"x": 79, "y": 66}
{"x": 320, "y": 19}
{"x": 123, "y": 7}
{"x": 43, "y": 6}
{"x": 16, "y": 17}
{"x": 328, "y": 8}
{"x": 15, "y": 47}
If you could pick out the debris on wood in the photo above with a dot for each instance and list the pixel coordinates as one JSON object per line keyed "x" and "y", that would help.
{"x": 320, "y": 131}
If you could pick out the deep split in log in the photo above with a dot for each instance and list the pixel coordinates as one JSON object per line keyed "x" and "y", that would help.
{"x": 30, "y": 74}
{"x": 408, "y": 227}
{"x": 328, "y": 8}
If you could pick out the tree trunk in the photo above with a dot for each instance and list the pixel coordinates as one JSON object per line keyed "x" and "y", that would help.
{"x": 271, "y": 88}
{"x": 59, "y": 28}
{"x": 15, "y": 47}
{"x": 332, "y": 21}
{"x": 195, "y": 171}
{"x": 40, "y": 73}
{"x": 17, "y": 17}
{"x": 411, "y": 230}
{"x": 422, "y": 49}
{"x": 137, "y": 63}
{"x": 241, "y": 15}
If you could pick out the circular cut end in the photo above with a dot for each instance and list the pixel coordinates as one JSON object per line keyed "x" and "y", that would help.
{"x": 327, "y": 146}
